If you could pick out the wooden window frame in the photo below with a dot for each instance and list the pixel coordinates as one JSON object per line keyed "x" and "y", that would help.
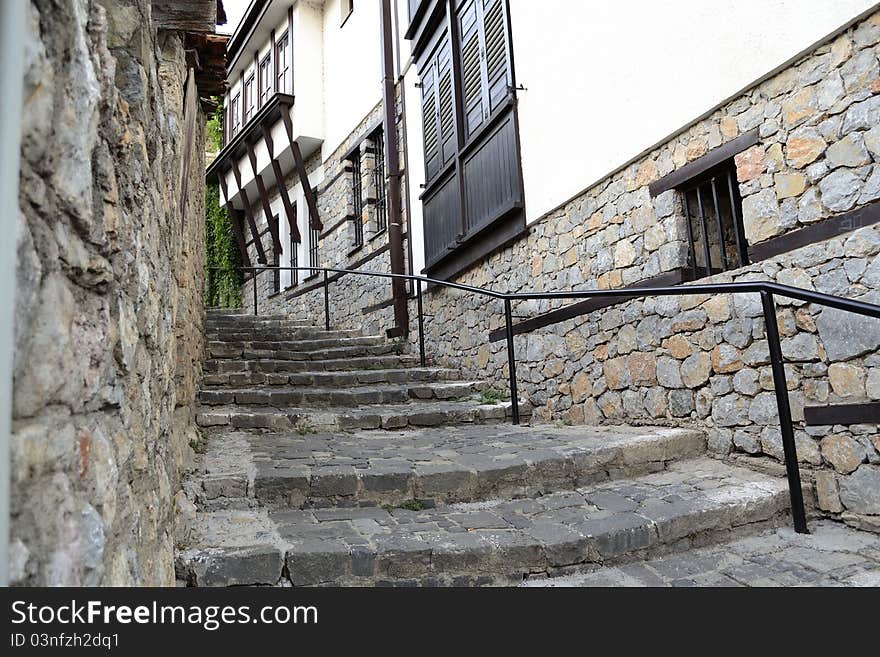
{"x": 265, "y": 66}
{"x": 249, "y": 99}
{"x": 236, "y": 114}
{"x": 283, "y": 69}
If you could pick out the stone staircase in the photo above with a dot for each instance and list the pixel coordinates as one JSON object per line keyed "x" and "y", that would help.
{"x": 332, "y": 458}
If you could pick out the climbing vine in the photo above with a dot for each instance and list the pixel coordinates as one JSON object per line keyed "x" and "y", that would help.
{"x": 223, "y": 288}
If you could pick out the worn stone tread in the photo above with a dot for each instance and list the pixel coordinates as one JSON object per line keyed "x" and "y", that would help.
{"x": 361, "y": 395}
{"x": 832, "y": 554}
{"x": 228, "y": 366}
{"x": 439, "y": 466}
{"x": 380, "y": 416}
{"x": 330, "y": 378}
{"x": 499, "y": 542}
{"x": 302, "y": 351}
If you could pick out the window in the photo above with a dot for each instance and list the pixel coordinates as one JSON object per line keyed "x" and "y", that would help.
{"x": 485, "y": 74}
{"x": 379, "y": 181}
{"x": 294, "y": 260}
{"x": 265, "y": 79}
{"x": 473, "y": 182}
{"x": 249, "y": 99}
{"x": 236, "y": 114}
{"x": 713, "y": 209}
{"x": 357, "y": 190}
{"x": 314, "y": 237}
{"x": 438, "y": 113}
{"x": 282, "y": 55}
{"x": 345, "y": 9}
{"x": 276, "y": 259}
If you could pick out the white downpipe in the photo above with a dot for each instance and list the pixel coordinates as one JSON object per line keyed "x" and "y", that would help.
{"x": 12, "y": 26}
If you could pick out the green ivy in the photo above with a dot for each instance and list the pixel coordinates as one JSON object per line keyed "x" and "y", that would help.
{"x": 223, "y": 289}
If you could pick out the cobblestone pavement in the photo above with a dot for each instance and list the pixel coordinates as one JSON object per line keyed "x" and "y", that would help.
{"x": 832, "y": 555}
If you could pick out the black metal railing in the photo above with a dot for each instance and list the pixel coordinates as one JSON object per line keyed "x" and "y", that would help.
{"x": 767, "y": 291}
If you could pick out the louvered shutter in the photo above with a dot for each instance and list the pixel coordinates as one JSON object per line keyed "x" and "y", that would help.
{"x": 438, "y": 110}
{"x": 430, "y": 121}
{"x": 497, "y": 59}
{"x": 446, "y": 104}
{"x": 469, "y": 30}
{"x": 485, "y": 59}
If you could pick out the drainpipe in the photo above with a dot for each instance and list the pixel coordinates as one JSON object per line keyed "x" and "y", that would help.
{"x": 395, "y": 223}
{"x": 12, "y": 27}
{"x": 403, "y": 125}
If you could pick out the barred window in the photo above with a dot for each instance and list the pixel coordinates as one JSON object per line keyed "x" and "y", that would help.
{"x": 713, "y": 209}
{"x": 357, "y": 189}
{"x": 314, "y": 237}
{"x": 294, "y": 262}
{"x": 379, "y": 182}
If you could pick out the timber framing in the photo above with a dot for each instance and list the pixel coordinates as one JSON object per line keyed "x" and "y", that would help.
{"x": 308, "y": 192}
{"x": 264, "y": 200}
{"x": 289, "y": 210}
{"x": 236, "y": 221}
{"x": 258, "y": 243}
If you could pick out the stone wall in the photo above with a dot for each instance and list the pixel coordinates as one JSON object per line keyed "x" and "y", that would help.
{"x": 109, "y": 296}
{"x": 703, "y": 361}
{"x": 337, "y": 248}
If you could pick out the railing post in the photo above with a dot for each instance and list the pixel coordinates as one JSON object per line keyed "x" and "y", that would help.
{"x": 421, "y": 323}
{"x": 511, "y": 361}
{"x": 781, "y": 389}
{"x": 255, "y": 274}
{"x": 326, "y": 301}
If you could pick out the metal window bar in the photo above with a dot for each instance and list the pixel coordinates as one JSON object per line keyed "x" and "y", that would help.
{"x": 712, "y": 208}
{"x": 357, "y": 190}
{"x": 294, "y": 263}
{"x": 314, "y": 236}
{"x": 379, "y": 181}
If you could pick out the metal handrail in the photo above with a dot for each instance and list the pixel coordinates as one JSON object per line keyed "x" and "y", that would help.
{"x": 767, "y": 290}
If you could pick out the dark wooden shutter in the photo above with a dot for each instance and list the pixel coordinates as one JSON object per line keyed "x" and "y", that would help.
{"x": 485, "y": 59}
{"x": 446, "y": 104}
{"x": 497, "y": 57}
{"x": 438, "y": 110}
{"x": 470, "y": 33}
{"x": 430, "y": 125}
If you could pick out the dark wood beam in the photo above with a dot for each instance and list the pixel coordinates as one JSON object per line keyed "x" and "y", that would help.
{"x": 289, "y": 210}
{"x": 712, "y": 158}
{"x": 237, "y": 223}
{"x": 308, "y": 192}
{"x": 846, "y": 414}
{"x": 185, "y": 15}
{"x": 258, "y": 243}
{"x": 586, "y": 306}
{"x": 264, "y": 199}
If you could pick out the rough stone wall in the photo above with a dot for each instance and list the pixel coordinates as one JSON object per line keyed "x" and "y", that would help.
{"x": 337, "y": 246}
{"x": 109, "y": 297}
{"x": 696, "y": 360}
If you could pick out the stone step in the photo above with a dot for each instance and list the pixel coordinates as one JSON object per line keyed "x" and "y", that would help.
{"x": 287, "y": 334}
{"x": 350, "y": 397}
{"x": 313, "y": 420}
{"x": 327, "y": 379}
{"x": 259, "y": 324}
{"x": 694, "y": 502}
{"x": 436, "y": 466}
{"x": 229, "y": 366}
{"x": 234, "y": 349}
{"x": 301, "y": 351}
{"x": 213, "y": 311}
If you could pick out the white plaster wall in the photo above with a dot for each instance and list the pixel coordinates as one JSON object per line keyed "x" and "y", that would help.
{"x": 352, "y": 69}
{"x": 606, "y": 80}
